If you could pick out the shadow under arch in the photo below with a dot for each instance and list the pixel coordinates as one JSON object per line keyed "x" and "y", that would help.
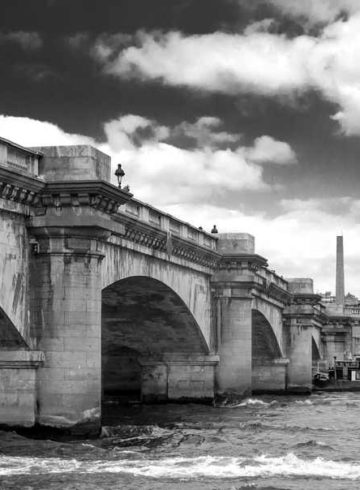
{"x": 10, "y": 338}
{"x": 268, "y": 367}
{"x": 315, "y": 351}
{"x": 142, "y": 318}
{"x": 265, "y": 346}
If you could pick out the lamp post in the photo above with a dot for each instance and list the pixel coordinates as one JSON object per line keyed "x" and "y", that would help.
{"x": 119, "y": 172}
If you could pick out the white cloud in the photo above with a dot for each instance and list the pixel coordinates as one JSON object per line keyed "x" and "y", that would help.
{"x": 159, "y": 172}
{"x": 197, "y": 174}
{"x": 206, "y": 131}
{"x": 266, "y": 149}
{"x": 227, "y": 63}
{"x": 30, "y": 132}
{"x": 254, "y": 62}
{"x": 26, "y": 40}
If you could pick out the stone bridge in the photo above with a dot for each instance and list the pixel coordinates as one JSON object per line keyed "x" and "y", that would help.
{"x": 103, "y": 295}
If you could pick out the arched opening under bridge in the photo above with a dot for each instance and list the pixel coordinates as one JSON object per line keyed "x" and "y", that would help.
{"x": 268, "y": 368}
{"x": 143, "y": 321}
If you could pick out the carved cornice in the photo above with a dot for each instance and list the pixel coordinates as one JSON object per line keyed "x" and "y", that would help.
{"x": 41, "y": 195}
{"x": 96, "y": 194}
{"x": 305, "y": 299}
{"x": 156, "y": 239}
{"x": 242, "y": 261}
{"x": 277, "y": 293}
{"x": 19, "y": 187}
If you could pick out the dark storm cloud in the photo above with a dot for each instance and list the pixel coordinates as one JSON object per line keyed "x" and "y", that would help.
{"x": 64, "y": 84}
{"x": 111, "y": 16}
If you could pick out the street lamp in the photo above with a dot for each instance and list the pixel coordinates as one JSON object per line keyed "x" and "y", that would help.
{"x": 119, "y": 174}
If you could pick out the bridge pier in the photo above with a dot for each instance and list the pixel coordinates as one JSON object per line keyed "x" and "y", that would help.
{"x": 302, "y": 317}
{"x": 66, "y": 294}
{"x": 178, "y": 378}
{"x": 233, "y": 314}
{"x": 235, "y": 339}
{"x": 71, "y": 222}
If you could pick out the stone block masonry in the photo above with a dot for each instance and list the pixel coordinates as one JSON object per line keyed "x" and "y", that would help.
{"x": 18, "y": 387}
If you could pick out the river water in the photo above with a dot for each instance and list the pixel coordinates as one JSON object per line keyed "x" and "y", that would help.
{"x": 260, "y": 443}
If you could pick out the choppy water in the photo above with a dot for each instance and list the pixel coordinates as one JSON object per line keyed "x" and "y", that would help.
{"x": 265, "y": 443}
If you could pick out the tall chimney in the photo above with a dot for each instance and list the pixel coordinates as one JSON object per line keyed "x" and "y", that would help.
{"x": 340, "y": 287}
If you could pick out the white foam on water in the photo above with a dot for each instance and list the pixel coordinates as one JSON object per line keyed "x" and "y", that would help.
{"x": 187, "y": 468}
{"x": 304, "y": 402}
{"x": 249, "y": 402}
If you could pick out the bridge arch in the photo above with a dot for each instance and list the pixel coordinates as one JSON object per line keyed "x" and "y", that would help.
{"x": 265, "y": 346}
{"x": 190, "y": 284}
{"x": 143, "y": 319}
{"x": 268, "y": 367}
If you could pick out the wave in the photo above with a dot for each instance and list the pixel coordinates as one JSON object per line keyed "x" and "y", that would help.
{"x": 304, "y": 402}
{"x": 189, "y": 468}
{"x": 252, "y": 402}
{"x": 258, "y": 426}
{"x": 312, "y": 443}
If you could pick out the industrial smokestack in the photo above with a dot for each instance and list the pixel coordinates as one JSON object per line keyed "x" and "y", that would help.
{"x": 340, "y": 286}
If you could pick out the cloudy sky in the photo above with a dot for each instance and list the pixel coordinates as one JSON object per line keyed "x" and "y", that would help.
{"x": 243, "y": 113}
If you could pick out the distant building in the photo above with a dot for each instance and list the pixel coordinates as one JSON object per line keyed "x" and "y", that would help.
{"x": 341, "y": 333}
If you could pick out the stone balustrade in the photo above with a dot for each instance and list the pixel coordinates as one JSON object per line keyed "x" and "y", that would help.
{"x": 157, "y": 219}
{"x": 19, "y": 159}
{"x": 271, "y": 277}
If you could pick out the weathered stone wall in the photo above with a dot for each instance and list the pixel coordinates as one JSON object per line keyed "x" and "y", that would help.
{"x": 299, "y": 351}
{"x": 18, "y": 387}
{"x": 190, "y": 378}
{"x": 67, "y": 324}
{"x": 18, "y": 397}
{"x": 14, "y": 260}
{"x": 186, "y": 381}
{"x": 235, "y": 322}
{"x": 269, "y": 377}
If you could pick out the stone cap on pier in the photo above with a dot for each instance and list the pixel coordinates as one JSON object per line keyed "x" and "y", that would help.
{"x": 300, "y": 285}
{"x": 75, "y": 162}
{"x": 235, "y": 243}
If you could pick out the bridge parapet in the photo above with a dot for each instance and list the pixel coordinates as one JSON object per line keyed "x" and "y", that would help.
{"x": 157, "y": 219}
{"x": 167, "y": 236}
{"x": 19, "y": 159}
